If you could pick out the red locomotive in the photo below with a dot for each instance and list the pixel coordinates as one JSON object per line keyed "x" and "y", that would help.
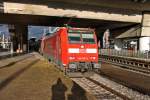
{"x": 73, "y": 49}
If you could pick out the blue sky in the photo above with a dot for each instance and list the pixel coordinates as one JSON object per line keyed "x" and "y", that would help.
{"x": 4, "y": 29}
{"x": 33, "y": 31}
{"x": 36, "y": 31}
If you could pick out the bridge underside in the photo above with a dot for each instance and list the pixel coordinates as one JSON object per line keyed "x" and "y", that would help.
{"x": 140, "y": 5}
{"x": 38, "y": 20}
{"x": 73, "y": 11}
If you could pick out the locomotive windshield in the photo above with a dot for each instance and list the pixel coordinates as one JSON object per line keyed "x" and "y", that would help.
{"x": 74, "y": 38}
{"x": 88, "y": 38}
{"x": 81, "y": 37}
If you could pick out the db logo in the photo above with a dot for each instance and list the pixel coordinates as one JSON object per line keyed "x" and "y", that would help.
{"x": 82, "y": 46}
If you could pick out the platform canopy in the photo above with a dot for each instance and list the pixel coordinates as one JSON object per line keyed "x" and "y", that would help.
{"x": 131, "y": 33}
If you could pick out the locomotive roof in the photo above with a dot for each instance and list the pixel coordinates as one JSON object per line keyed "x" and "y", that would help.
{"x": 71, "y": 29}
{"x": 80, "y": 29}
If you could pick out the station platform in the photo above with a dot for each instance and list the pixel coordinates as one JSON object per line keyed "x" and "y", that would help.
{"x": 8, "y": 54}
{"x": 32, "y": 77}
{"x": 12, "y": 60}
{"x": 4, "y": 53}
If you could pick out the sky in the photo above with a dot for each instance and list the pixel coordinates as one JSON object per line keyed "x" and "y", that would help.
{"x": 4, "y": 29}
{"x": 36, "y": 31}
{"x": 33, "y": 31}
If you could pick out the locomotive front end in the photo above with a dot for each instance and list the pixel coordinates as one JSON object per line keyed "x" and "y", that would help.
{"x": 82, "y": 50}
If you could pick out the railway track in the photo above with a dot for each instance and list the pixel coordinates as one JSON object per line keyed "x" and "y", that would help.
{"x": 103, "y": 88}
{"x": 127, "y": 83}
{"x": 98, "y": 90}
{"x": 130, "y": 67}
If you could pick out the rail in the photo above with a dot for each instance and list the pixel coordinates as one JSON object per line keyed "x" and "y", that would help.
{"x": 98, "y": 90}
{"x": 125, "y": 53}
{"x": 105, "y": 89}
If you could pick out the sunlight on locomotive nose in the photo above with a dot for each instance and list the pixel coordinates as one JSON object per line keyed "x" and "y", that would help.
{"x": 82, "y": 46}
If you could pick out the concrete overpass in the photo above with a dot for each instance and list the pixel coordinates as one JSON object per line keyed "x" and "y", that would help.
{"x": 100, "y": 14}
{"x": 78, "y": 9}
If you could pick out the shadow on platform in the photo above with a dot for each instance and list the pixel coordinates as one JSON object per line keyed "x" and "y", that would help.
{"x": 59, "y": 89}
{"x": 9, "y": 79}
{"x": 77, "y": 93}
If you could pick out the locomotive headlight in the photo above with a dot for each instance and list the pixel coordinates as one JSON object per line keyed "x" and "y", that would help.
{"x": 82, "y": 46}
{"x": 93, "y": 58}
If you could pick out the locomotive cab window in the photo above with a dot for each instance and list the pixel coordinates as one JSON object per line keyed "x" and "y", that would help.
{"x": 74, "y": 38}
{"x": 81, "y": 36}
{"x": 88, "y": 38}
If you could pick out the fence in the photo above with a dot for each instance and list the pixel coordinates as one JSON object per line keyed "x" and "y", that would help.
{"x": 125, "y": 53}
{"x": 6, "y": 48}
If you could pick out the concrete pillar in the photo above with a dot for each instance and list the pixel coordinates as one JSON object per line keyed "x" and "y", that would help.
{"x": 22, "y": 31}
{"x": 13, "y": 37}
{"x": 118, "y": 44}
{"x": 19, "y": 37}
{"x": 144, "y": 40}
{"x": 144, "y": 44}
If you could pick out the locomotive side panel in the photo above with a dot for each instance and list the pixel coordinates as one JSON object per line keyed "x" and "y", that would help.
{"x": 64, "y": 47}
{"x": 58, "y": 50}
{"x": 49, "y": 48}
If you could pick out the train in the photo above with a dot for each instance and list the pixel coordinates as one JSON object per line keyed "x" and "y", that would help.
{"x": 72, "y": 49}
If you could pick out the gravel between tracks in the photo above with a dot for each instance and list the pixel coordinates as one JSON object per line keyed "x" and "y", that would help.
{"x": 99, "y": 92}
{"x": 133, "y": 95}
